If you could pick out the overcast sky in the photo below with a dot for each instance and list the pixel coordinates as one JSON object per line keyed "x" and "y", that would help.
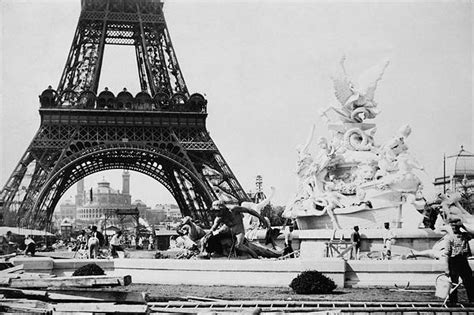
{"x": 265, "y": 69}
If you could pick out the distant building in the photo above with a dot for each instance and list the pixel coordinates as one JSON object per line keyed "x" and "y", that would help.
{"x": 459, "y": 176}
{"x": 67, "y": 210}
{"x": 89, "y": 206}
{"x": 103, "y": 197}
{"x": 66, "y": 229}
{"x": 142, "y": 208}
{"x": 163, "y": 213}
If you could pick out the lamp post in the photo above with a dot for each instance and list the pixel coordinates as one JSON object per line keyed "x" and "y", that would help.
{"x": 444, "y": 174}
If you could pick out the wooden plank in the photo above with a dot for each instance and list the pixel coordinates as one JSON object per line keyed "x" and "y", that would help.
{"x": 75, "y": 295}
{"x": 35, "y": 275}
{"x": 102, "y": 294}
{"x": 101, "y": 308}
{"x": 11, "y": 270}
{"x": 82, "y": 281}
{"x": 18, "y": 305}
{"x": 345, "y": 251}
{"x": 5, "y": 282}
{"x": 44, "y": 295}
{"x": 7, "y": 256}
{"x": 11, "y": 293}
{"x": 202, "y": 299}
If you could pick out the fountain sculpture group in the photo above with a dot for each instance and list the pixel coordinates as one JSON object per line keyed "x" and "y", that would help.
{"x": 352, "y": 180}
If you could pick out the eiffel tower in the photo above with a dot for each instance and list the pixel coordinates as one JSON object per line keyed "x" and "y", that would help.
{"x": 160, "y": 132}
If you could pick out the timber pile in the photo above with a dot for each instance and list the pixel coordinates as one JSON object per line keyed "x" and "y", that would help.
{"x": 47, "y": 294}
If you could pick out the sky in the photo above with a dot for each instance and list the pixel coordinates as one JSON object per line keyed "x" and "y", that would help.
{"x": 265, "y": 68}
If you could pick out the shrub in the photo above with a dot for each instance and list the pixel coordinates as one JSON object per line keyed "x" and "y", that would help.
{"x": 312, "y": 282}
{"x": 89, "y": 270}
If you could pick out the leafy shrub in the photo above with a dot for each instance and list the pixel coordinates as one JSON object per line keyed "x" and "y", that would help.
{"x": 89, "y": 270}
{"x": 312, "y": 282}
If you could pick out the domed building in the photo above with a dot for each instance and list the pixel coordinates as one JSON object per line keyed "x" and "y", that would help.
{"x": 90, "y": 205}
{"x": 103, "y": 197}
{"x": 458, "y": 176}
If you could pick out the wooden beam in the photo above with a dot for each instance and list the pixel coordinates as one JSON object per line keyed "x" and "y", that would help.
{"x": 101, "y": 308}
{"x": 8, "y": 256}
{"x": 82, "y": 281}
{"x": 75, "y": 295}
{"x": 22, "y": 305}
{"x": 11, "y": 270}
{"x": 10, "y": 293}
{"x": 102, "y": 294}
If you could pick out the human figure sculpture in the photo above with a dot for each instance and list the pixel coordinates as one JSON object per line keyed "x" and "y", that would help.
{"x": 232, "y": 219}
{"x": 436, "y": 252}
{"x": 319, "y": 167}
{"x": 451, "y": 207}
{"x": 304, "y": 165}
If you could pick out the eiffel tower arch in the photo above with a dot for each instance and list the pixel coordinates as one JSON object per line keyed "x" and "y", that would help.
{"x": 160, "y": 131}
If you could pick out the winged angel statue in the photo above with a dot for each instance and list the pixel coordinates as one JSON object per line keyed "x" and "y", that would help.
{"x": 356, "y": 97}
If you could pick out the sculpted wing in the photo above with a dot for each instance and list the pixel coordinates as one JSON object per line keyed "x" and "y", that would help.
{"x": 367, "y": 82}
{"x": 342, "y": 89}
{"x": 342, "y": 84}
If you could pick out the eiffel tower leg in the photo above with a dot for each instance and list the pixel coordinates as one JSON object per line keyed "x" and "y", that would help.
{"x": 25, "y": 214}
{"x": 10, "y": 194}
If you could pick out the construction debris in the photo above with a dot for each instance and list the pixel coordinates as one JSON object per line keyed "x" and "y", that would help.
{"x": 42, "y": 293}
{"x": 81, "y": 282}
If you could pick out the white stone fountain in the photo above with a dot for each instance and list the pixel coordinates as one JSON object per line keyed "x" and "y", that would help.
{"x": 352, "y": 180}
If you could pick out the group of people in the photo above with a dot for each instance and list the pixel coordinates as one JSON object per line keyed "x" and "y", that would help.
{"x": 9, "y": 246}
{"x": 455, "y": 254}
{"x": 90, "y": 242}
{"x": 388, "y": 238}
{"x": 93, "y": 242}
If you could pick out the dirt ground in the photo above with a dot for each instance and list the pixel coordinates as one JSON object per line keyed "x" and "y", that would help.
{"x": 162, "y": 293}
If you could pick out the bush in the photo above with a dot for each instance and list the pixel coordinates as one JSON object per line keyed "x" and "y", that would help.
{"x": 89, "y": 270}
{"x": 312, "y": 282}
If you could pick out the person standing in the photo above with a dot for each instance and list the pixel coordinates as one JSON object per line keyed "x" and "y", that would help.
{"x": 6, "y": 243}
{"x": 95, "y": 242}
{"x": 116, "y": 244}
{"x": 30, "y": 246}
{"x": 388, "y": 239}
{"x": 140, "y": 242}
{"x": 150, "y": 242}
{"x": 355, "y": 239}
{"x": 81, "y": 240}
{"x": 456, "y": 252}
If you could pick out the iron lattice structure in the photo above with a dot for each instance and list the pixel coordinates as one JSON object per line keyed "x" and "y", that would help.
{"x": 161, "y": 131}
{"x": 259, "y": 194}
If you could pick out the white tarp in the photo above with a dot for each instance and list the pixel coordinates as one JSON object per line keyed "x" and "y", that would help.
{"x": 23, "y": 231}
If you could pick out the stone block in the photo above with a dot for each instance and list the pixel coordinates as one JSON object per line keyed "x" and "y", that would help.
{"x": 34, "y": 264}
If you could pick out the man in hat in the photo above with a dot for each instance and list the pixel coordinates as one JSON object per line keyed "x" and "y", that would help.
{"x": 456, "y": 252}
{"x": 233, "y": 219}
{"x": 355, "y": 239}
